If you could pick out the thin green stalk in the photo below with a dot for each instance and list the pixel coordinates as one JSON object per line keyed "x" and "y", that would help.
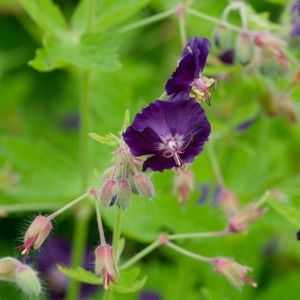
{"x": 83, "y": 214}
{"x": 215, "y": 164}
{"x": 196, "y": 235}
{"x": 216, "y": 20}
{"x": 182, "y": 30}
{"x": 149, "y": 20}
{"x": 140, "y": 255}
{"x": 189, "y": 253}
{"x": 99, "y": 222}
{"x": 117, "y": 231}
{"x": 67, "y": 206}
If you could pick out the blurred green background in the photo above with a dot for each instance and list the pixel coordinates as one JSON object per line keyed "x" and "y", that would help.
{"x": 39, "y": 124}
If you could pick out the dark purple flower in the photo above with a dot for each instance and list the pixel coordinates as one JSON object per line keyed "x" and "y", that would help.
{"x": 58, "y": 251}
{"x": 227, "y": 57}
{"x": 204, "y": 193}
{"x": 296, "y": 19}
{"x": 245, "y": 125}
{"x": 298, "y": 235}
{"x": 171, "y": 132}
{"x": 187, "y": 80}
{"x": 150, "y": 295}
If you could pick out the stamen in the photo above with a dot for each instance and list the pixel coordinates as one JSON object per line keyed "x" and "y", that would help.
{"x": 177, "y": 159}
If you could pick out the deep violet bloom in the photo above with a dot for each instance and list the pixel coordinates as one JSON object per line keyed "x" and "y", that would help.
{"x": 59, "y": 251}
{"x": 187, "y": 76}
{"x": 298, "y": 235}
{"x": 227, "y": 57}
{"x": 150, "y": 295}
{"x": 296, "y": 19}
{"x": 171, "y": 132}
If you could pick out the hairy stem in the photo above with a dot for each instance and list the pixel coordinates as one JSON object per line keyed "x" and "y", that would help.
{"x": 189, "y": 253}
{"x": 196, "y": 235}
{"x": 182, "y": 29}
{"x": 117, "y": 231}
{"x": 215, "y": 164}
{"x": 99, "y": 222}
{"x": 149, "y": 20}
{"x": 140, "y": 255}
{"x": 67, "y": 206}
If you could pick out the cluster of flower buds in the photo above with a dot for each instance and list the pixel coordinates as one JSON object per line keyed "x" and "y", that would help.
{"x": 123, "y": 179}
{"x": 23, "y": 275}
{"x": 36, "y": 234}
{"x": 105, "y": 265}
{"x": 233, "y": 272}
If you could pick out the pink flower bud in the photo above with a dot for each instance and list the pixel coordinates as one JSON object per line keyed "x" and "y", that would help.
{"x": 109, "y": 192}
{"x": 143, "y": 185}
{"x": 8, "y": 267}
{"x": 234, "y": 272}
{"x": 228, "y": 202}
{"x": 106, "y": 265}
{"x": 125, "y": 193}
{"x": 36, "y": 234}
{"x": 243, "y": 218}
{"x": 27, "y": 280}
{"x": 183, "y": 186}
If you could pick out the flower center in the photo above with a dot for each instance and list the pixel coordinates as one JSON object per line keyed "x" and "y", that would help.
{"x": 174, "y": 145}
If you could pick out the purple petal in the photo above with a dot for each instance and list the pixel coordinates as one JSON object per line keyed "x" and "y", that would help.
{"x": 295, "y": 30}
{"x": 190, "y": 67}
{"x": 204, "y": 193}
{"x": 200, "y": 48}
{"x": 150, "y": 295}
{"x": 227, "y": 57}
{"x": 141, "y": 142}
{"x": 158, "y": 163}
{"x": 298, "y": 235}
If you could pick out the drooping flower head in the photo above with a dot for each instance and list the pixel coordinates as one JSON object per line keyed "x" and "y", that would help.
{"x": 36, "y": 234}
{"x": 296, "y": 19}
{"x": 171, "y": 132}
{"x": 187, "y": 80}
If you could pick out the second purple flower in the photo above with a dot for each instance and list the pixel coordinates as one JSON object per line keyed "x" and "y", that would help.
{"x": 172, "y": 133}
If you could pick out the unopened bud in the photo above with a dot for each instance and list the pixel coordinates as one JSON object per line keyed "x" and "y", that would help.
{"x": 105, "y": 265}
{"x": 143, "y": 185}
{"x": 242, "y": 219}
{"x": 223, "y": 38}
{"x": 183, "y": 186}
{"x": 8, "y": 267}
{"x": 109, "y": 192}
{"x": 244, "y": 48}
{"x": 125, "y": 193}
{"x": 27, "y": 280}
{"x": 36, "y": 234}
{"x": 108, "y": 173}
{"x": 234, "y": 272}
{"x": 228, "y": 202}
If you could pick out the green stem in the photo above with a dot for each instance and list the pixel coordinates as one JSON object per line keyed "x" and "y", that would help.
{"x": 216, "y": 20}
{"x": 67, "y": 206}
{"x": 182, "y": 30}
{"x": 117, "y": 231}
{"x": 195, "y": 235}
{"x": 189, "y": 253}
{"x": 83, "y": 215}
{"x": 99, "y": 222}
{"x": 140, "y": 255}
{"x": 149, "y": 20}
{"x": 215, "y": 164}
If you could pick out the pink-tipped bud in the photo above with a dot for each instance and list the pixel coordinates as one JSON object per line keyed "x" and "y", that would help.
{"x": 143, "y": 185}
{"x": 27, "y": 280}
{"x": 245, "y": 217}
{"x": 36, "y": 234}
{"x": 272, "y": 46}
{"x": 183, "y": 186}
{"x": 125, "y": 193}
{"x": 228, "y": 202}
{"x": 234, "y": 272}
{"x": 8, "y": 267}
{"x": 109, "y": 192}
{"x": 105, "y": 265}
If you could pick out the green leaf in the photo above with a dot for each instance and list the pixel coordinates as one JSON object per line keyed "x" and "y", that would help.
{"x": 81, "y": 275}
{"x": 107, "y": 13}
{"x": 128, "y": 282}
{"x": 289, "y": 212}
{"x": 108, "y": 139}
{"x": 90, "y": 51}
{"x": 47, "y": 15}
